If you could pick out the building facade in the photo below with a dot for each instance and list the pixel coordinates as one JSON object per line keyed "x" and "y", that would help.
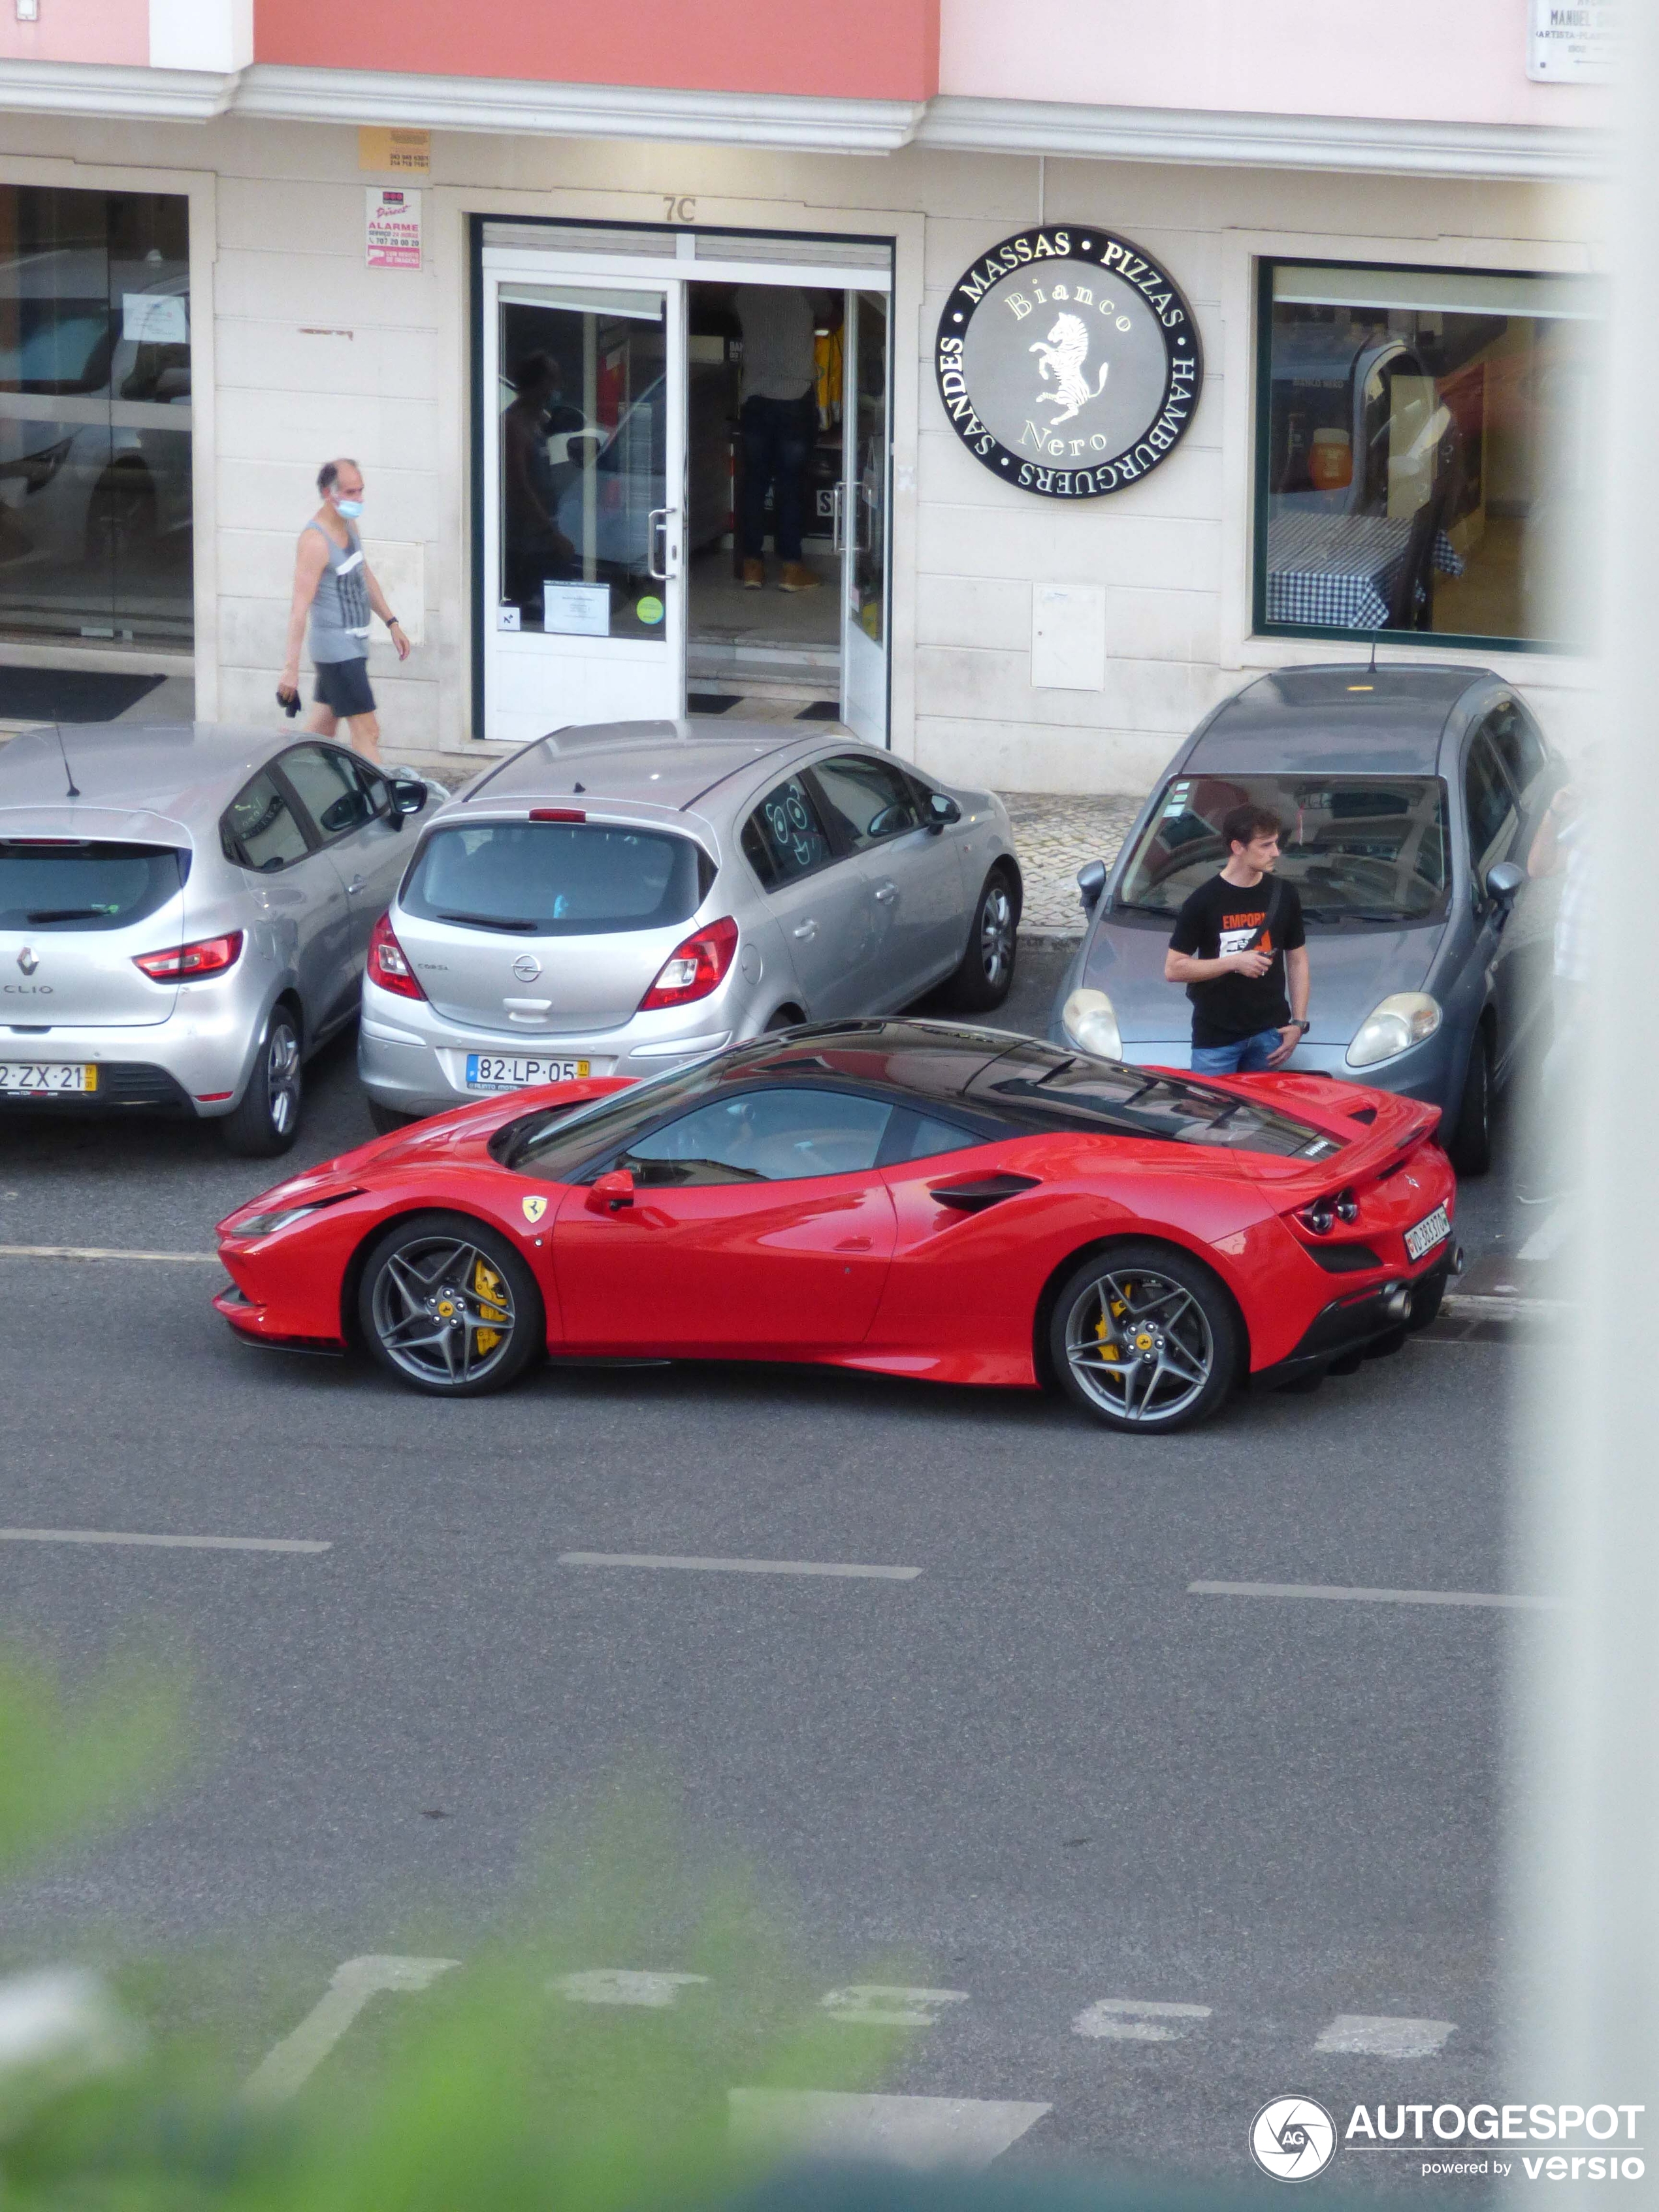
{"x": 504, "y": 261}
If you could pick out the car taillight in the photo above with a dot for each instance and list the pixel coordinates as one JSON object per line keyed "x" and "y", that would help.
{"x": 1322, "y": 1216}
{"x": 187, "y": 964}
{"x": 694, "y": 968}
{"x": 388, "y": 963}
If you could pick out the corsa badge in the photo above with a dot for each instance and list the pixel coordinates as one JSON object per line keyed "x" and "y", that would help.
{"x": 533, "y": 1208}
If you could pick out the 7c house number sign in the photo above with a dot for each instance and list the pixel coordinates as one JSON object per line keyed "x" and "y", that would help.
{"x": 1068, "y": 361}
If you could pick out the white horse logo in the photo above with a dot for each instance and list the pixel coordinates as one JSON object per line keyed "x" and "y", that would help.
{"x": 1063, "y": 353}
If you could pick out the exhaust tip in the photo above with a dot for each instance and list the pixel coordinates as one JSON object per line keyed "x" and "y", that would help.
{"x": 1458, "y": 1261}
{"x": 1397, "y": 1301}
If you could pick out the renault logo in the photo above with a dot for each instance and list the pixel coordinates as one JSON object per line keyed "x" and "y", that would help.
{"x": 27, "y": 961}
{"x": 526, "y": 966}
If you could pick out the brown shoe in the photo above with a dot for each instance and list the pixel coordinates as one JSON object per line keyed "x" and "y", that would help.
{"x": 754, "y": 576}
{"x": 797, "y": 577}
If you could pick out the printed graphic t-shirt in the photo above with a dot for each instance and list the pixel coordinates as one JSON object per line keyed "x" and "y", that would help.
{"x": 1220, "y": 918}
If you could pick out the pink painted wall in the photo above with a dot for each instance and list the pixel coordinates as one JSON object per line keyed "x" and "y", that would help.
{"x": 1462, "y": 61}
{"x": 78, "y": 31}
{"x": 849, "y": 49}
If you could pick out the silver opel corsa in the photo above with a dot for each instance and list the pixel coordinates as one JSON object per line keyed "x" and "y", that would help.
{"x": 184, "y": 913}
{"x": 616, "y": 899}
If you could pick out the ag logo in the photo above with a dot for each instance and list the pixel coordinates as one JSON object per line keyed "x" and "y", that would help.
{"x": 1293, "y": 2139}
{"x": 533, "y": 1208}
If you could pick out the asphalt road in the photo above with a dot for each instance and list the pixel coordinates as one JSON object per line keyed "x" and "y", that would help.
{"x": 1039, "y": 1774}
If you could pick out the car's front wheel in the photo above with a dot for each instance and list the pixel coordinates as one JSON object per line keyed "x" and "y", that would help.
{"x": 1146, "y": 1339}
{"x": 266, "y": 1119}
{"x": 983, "y": 980}
{"x": 447, "y": 1305}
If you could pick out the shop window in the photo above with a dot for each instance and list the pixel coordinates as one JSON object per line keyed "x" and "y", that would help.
{"x": 95, "y": 507}
{"x": 1425, "y": 459}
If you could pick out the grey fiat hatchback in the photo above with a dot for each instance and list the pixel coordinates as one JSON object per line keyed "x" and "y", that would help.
{"x": 1409, "y": 797}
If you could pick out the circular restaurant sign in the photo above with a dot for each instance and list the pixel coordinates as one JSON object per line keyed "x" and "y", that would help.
{"x": 1068, "y": 362}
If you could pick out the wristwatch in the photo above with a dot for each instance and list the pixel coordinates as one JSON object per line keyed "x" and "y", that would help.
{"x": 1303, "y": 1026}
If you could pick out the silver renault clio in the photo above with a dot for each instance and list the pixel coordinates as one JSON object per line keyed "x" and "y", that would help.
{"x": 184, "y": 913}
{"x": 618, "y": 898}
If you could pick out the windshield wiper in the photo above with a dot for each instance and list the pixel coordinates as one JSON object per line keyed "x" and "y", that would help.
{"x": 492, "y": 922}
{"x": 70, "y": 914}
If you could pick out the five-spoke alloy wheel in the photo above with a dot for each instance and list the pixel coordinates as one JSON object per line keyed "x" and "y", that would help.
{"x": 447, "y": 1305}
{"x": 1146, "y": 1339}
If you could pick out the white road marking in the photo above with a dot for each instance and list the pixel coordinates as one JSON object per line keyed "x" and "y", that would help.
{"x": 734, "y": 1566}
{"x": 917, "y": 2132}
{"x": 104, "y": 1252}
{"x": 1364, "y": 1596}
{"x": 168, "y": 1543}
{"x": 878, "y": 2005}
{"x": 622, "y": 1985}
{"x": 1487, "y": 1305}
{"x": 1383, "y": 2035}
{"x": 293, "y": 2061}
{"x": 1126, "y": 2020}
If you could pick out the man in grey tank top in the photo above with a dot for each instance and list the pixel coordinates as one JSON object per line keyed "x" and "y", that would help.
{"x": 335, "y": 586}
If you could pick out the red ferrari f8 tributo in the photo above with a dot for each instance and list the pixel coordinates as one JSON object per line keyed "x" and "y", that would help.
{"x": 910, "y": 1197}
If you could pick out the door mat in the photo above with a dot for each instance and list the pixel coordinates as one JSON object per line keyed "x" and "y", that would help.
{"x": 69, "y": 695}
{"x": 821, "y": 710}
{"x": 712, "y": 702}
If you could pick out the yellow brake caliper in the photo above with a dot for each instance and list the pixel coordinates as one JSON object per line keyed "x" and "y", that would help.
{"x": 490, "y": 1293}
{"x": 1117, "y": 1309}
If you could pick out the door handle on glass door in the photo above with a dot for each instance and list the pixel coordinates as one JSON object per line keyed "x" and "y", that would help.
{"x": 659, "y": 518}
{"x": 805, "y": 929}
{"x": 838, "y": 518}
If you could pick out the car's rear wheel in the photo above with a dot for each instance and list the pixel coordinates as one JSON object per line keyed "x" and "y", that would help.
{"x": 983, "y": 979}
{"x": 266, "y": 1121}
{"x": 1146, "y": 1339}
{"x": 447, "y": 1305}
{"x": 1471, "y": 1141}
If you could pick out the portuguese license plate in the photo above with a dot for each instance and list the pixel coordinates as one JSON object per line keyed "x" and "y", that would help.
{"x": 45, "y": 1079}
{"x": 1433, "y": 1230}
{"x": 488, "y": 1070}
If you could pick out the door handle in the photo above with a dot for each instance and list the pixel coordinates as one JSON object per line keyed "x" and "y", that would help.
{"x": 838, "y": 518}
{"x": 805, "y": 929}
{"x": 886, "y": 893}
{"x": 658, "y": 519}
{"x": 358, "y": 883}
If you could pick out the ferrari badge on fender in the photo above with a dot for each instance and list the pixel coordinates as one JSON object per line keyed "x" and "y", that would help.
{"x": 533, "y": 1208}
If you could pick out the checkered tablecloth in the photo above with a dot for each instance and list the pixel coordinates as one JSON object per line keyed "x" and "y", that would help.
{"x": 1342, "y": 569}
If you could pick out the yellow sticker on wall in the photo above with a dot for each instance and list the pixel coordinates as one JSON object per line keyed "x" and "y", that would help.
{"x": 533, "y": 1208}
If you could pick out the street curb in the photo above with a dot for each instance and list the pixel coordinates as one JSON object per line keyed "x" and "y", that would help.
{"x": 1476, "y": 1305}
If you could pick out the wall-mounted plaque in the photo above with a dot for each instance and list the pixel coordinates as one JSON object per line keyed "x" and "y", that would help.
{"x": 1068, "y": 361}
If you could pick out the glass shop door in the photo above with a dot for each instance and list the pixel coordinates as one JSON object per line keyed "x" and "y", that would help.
{"x": 862, "y": 517}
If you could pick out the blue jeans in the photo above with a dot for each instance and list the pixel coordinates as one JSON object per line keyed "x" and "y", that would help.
{"x": 778, "y": 438}
{"x": 1242, "y": 1056}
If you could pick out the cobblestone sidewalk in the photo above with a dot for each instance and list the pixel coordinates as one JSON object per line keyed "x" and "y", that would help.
{"x": 1054, "y": 837}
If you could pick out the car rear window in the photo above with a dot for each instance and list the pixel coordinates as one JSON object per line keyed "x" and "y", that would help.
{"x": 1042, "y": 1089}
{"x": 77, "y": 885}
{"x": 558, "y": 878}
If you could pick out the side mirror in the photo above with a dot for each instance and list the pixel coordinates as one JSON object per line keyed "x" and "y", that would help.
{"x": 1091, "y": 883}
{"x": 612, "y": 1191}
{"x": 1504, "y": 882}
{"x": 942, "y": 811}
{"x": 409, "y": 796}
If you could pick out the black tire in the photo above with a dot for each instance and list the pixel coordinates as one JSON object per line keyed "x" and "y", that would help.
{"x": 386, "y": 1121}
{"x": 985, "y": 975}
{"x": 786, "y": 1017}
{"x": 1471, "y": 1139}
{"x": 267, "y": 1120}
{"x": 447, "y": 1306}
{"x": 1163, "y": 1310}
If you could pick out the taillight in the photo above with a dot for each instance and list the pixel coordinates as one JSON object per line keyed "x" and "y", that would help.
{"x": 1322, "y": 1216}
{"x": 388, "y": 963}
{"x": 188, "y": 963}
{"x": 694, "y": 968}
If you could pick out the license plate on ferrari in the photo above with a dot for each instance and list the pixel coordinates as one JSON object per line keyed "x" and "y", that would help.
{"x": 46, "y": 1078}
{"x": 488, "y": 1070}
{"x": 1433, "y": 1230}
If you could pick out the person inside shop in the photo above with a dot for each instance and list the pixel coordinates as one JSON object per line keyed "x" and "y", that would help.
{"x": 1239, "y": 946}
{"x": 536, "y": 550}
{"x": 780, "y": 427}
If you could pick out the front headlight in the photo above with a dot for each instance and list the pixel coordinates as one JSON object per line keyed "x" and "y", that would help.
{"x": 1088, "y": 1019}
{"x": 1405, "y": 1019}
{"x": 283, "y": 1216}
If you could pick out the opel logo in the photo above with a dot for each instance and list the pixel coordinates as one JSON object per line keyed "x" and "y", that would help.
{"x": 526, "y": 966}
{"x": 27, "y": 961}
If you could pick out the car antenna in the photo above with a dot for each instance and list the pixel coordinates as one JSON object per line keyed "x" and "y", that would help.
{"x": 69, "y": 773}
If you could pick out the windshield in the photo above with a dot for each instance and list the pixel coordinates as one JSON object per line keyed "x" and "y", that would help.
{"x": 1357, "y": 848}
{"x": 79, "y": 884}
{"x": 1044, "y": 1086}
{"x": 557, "y": 878}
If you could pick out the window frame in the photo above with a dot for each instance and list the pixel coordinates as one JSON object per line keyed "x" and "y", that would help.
{"x": 321, "y": 838}
{"x": 836, "y": 826}
{"x": 836, "y": 851}
{"x": 1261, "y": 451}
{"x": 229, "y": 838}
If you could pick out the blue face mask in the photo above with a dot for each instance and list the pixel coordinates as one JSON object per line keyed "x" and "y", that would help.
{"x": 351, "y": 508}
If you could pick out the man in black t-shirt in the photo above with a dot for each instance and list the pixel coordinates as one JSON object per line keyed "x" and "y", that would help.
{"x": 1240, "y": 948}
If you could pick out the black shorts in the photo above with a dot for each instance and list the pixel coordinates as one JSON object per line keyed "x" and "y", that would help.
{"x": 343, "y": 688}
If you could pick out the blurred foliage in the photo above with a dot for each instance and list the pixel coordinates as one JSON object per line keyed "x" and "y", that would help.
{"x": 72, "y": 1760}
